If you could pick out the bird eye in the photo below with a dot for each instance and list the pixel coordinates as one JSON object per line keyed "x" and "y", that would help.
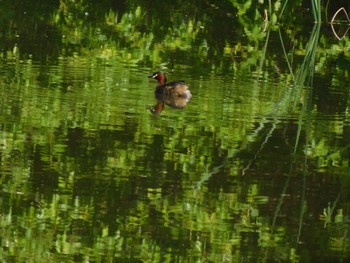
{"x": 155, "y": 75}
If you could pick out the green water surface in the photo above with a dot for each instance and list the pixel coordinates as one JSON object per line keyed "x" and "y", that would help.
{"x": 254, "y": 169}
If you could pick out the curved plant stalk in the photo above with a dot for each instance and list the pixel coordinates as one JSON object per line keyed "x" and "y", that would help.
{"x": 336, "y": 13}
{"x": 265, "y": 21}
{"x": 333, "y": 22}
{"x": 336, "y": 35}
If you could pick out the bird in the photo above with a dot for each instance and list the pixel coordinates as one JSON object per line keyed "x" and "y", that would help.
{"x": 175, "y": 94}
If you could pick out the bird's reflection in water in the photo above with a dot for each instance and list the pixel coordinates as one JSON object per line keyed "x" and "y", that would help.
{"x": 174, "y": 94}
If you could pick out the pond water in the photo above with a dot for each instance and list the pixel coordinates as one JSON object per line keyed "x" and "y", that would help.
{"x": 255, "y": 168}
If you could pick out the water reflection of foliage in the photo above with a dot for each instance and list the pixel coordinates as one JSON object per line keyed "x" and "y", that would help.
{"x": 51, "y": 145}
{"x": 98, "y": 30}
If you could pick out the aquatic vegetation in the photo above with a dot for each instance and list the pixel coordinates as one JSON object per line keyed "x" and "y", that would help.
{"x": 244, "y": 172}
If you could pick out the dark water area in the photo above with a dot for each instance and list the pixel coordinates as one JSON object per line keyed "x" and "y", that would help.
{"x": 254, "y": 168}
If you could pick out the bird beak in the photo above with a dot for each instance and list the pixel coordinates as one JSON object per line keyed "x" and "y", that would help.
{"x": 152, "y": 76}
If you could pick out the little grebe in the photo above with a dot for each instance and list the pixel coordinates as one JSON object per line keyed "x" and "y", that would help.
{"x": 175, "y": 94}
